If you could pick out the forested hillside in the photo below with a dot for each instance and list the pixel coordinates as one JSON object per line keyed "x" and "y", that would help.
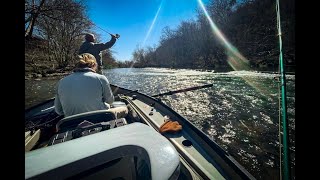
{"x": 54, "y": 31}
{"x": 250, "y": 26}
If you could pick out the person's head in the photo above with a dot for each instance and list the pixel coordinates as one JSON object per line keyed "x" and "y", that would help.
{"x": 90, "y": 37}
{"x": 87, "y": 60}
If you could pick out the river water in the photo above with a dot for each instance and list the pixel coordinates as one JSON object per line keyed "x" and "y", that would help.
{"x": 240, "y": 112}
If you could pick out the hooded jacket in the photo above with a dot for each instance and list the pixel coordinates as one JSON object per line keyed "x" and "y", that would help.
{"x": 96, "y": 48}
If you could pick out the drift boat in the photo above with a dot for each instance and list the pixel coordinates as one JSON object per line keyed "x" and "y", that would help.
{"x": 98, "y": 145}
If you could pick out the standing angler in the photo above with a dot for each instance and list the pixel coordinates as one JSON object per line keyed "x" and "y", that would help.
{"x": 89, "y": 46}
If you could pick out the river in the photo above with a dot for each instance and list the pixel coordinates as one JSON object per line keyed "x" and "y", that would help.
{"x": 240, "y": 111}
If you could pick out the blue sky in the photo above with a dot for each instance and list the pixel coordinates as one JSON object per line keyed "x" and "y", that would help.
{"x": 132, "y": 20}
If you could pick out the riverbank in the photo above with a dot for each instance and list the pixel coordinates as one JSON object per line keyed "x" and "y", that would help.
{"x": 38, "y": 75}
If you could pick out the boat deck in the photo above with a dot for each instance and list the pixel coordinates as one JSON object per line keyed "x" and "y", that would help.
{"x": 193, "y": 153}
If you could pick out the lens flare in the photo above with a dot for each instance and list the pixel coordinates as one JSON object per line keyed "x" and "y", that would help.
{"x": 150, "y": 29}
{"x": 236, "y": 61}
{"x": 152, "y": 24}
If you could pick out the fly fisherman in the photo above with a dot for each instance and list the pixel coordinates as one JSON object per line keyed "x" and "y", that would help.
{"x": 89, "y": 46}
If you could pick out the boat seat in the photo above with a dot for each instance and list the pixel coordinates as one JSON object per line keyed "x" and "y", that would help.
{"x": 120, "y": 153}
{"x": 94, "y": 117}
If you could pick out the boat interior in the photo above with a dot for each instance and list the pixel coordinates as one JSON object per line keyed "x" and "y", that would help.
{"x": 121, "y": 148}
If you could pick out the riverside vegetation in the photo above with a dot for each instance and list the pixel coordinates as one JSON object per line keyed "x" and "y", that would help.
{"x": 54, "y": 31}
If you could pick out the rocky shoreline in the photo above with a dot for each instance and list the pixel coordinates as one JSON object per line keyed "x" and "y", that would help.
{"x": 51, "y": 75}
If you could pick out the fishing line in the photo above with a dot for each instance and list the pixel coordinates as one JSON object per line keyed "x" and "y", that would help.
{"x": 100, "y": 28}
{"x": 116, "y": 35}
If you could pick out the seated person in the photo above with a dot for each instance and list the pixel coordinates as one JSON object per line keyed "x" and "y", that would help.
{"x": 85, "y": 90}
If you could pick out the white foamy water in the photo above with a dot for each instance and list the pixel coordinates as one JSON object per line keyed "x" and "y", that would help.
{"x": 240, "y": 111}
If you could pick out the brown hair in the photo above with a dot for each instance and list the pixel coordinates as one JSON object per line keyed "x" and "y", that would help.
{"x": 86, "y": 60}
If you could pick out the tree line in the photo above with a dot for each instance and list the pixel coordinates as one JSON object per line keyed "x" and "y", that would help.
{"x": 54, "y": 31}
{"x": 250, "y": 26}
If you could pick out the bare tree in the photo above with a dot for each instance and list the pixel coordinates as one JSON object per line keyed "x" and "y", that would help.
{"x": 249, "y": 25}
{"x": 60, "y": 23}
{"x": 32, "y": 11}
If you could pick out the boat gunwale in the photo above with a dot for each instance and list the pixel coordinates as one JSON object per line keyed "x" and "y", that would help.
{"x": 236, "y": 166}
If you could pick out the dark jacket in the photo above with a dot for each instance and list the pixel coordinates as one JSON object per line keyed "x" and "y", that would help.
{"x": 96, "y": 48}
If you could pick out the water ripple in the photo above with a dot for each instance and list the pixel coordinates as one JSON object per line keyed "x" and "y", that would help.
{"x": 240, "y": 111}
